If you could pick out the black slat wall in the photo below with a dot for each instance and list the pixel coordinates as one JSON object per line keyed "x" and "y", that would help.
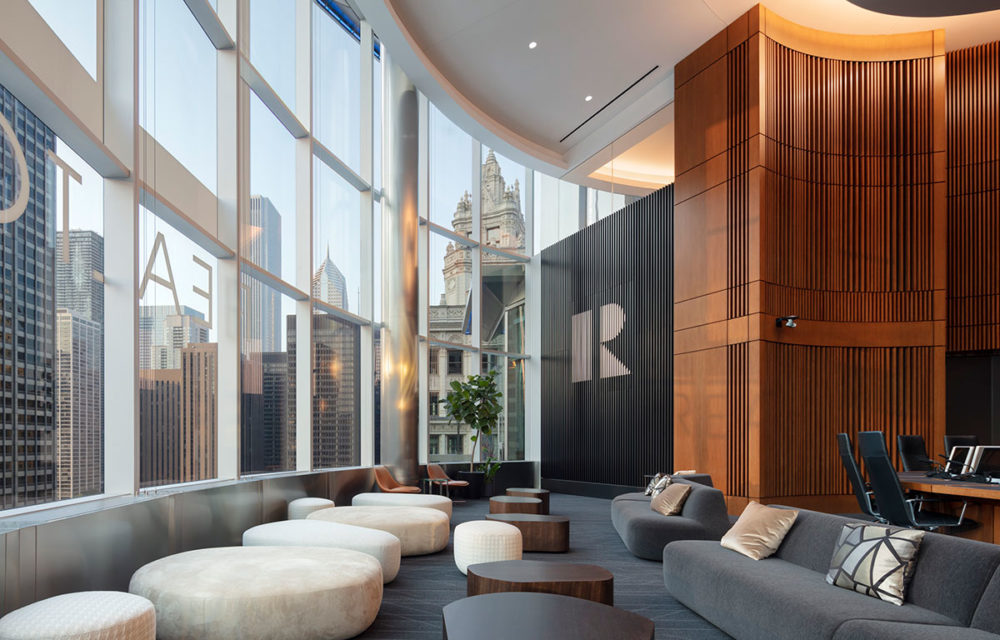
{"x": 613, "y": 430}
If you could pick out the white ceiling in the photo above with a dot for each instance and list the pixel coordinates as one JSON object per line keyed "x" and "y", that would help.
{"x": 471, "y": 57}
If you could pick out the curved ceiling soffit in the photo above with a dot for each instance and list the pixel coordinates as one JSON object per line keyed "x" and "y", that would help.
{"x": 927, "y": 8}
{"x": 403, "y": 49}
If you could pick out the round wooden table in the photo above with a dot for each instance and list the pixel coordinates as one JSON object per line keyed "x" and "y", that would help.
{"x": 538, "y": 532}
{"x": 541, "y": 494}
{"x": 498, "y": 616}
{"x": 513, "y": 504}
{"x": 587, "y": 581}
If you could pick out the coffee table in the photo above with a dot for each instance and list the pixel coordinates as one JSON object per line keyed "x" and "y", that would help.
{"x": 527, "y": 492}
{"x": 538, "y": 532}
{"x": 501, "y": 616}
{"x": 587, "y": 581}
{"x": 512, "y": 504}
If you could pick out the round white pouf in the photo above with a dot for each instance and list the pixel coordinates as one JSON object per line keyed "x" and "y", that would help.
{"x": 88, "y": 615}
{"x": 440, "y": 503}
{"x": 299, "y": 508}
{"x": 486, "y": 541}
{"x": 380, "y": 545}
{"x": 419, "y": 530}
{"x": 272, "y": 593}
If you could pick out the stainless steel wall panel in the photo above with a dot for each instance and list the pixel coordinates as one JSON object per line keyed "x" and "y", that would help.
{"x": 102, "y": 548}
{"x": 346, "y": 484}
{"x": 278, "y": 492}
{"x": 217, "y": 517}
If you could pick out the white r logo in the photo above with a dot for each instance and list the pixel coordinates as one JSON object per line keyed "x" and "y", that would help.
{"x": 612, "y": 320}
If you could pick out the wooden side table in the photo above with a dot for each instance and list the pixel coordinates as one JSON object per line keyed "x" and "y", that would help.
{"x": 538, "y": 532}
{"x": 513, "y": 504}
{"x": 541, "y": 494}
{"x": 587, "y": 581}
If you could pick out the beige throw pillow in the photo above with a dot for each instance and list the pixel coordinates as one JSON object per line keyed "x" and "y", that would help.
{"x": 671, "y": 500}
{"x": 759, "y": 531}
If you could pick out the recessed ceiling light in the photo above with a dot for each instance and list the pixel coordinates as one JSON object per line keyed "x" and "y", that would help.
{"x": 532, "y": 44}
{"x": 589, "y": 98}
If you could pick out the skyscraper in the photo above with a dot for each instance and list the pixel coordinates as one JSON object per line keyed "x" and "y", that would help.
{"x": 329, "y": 284}
{"x": 27, "y": 314}
{"x": 79, "y": 406}
{"x": 77, "y": 289}
{"x": 163, "y": 333}
{"x": 262, "y": 305}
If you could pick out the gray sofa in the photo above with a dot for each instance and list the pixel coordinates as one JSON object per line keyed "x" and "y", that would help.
{"x": 954, "y": 591}
{"x": 645, "y": 532}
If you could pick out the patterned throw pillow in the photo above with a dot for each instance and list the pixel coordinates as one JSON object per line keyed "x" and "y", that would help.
{"x": 652, "y": 483}
{"x": 660, "y": 485}
{"x": 671, "y": 500}
{"x": 874, "y": 560}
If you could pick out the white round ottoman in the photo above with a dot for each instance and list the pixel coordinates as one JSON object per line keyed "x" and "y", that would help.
{"x": 440, "y": 503}
{"x": 274, "y": 593}
{"x": 299, "y": 508}
{"x": 486, "y": 541}
{"x": 419, "y": 530}
{"x": 380, "y": 545}
{"x": 88, "y": 615}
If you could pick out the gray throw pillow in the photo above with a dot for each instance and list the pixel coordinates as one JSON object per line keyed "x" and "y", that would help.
{"x": 652, "y": 483}
{"x": 874, "y": 560}
{"x": 660, "y": 485}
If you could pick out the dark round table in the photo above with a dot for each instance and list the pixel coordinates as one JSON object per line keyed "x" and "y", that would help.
{"x": 513, "y": 504}
{"x": 587, "y": 581}
{"x": 538, "y": 532}
{"x": 527, "y": 616}
{"x": 528, "y": 492}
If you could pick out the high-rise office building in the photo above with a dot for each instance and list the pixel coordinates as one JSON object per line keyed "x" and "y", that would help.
{"x": 27, "y": 314}
{"x": 163, "y": 333}
{"x": 79, "y": 288}
{"x": 329, "y": 284}
{"x": 277, "y": 413}
{"x": 261, "y": 245}
{"x": 79, "y": 406}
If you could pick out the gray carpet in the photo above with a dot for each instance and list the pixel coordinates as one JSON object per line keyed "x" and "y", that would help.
{"x": 411, "y": 605}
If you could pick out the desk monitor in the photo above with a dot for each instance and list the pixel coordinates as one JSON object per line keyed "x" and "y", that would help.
{"x": 986, "y": 459}
{"x": 961, "y": 458}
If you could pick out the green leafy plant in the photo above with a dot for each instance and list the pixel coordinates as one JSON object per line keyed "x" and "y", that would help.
{"x": 476, "y": 402}
{"x": 489, "y": 469}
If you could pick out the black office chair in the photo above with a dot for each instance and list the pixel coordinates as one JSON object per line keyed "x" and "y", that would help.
{"x": 913, "y": 453}
{"x": 893, "y": 505}
{"x": 861, "y": 489}
{"x": 959, "y": 441}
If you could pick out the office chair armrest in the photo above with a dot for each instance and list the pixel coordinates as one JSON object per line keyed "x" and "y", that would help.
{"x": 961, "y": 516}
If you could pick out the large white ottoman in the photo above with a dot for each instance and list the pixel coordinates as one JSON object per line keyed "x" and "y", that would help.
{"x": 265, "y": 593}
{"x": 380, "y": 545}
{"x": 486, "y": 541}
{"x": 87, "y": 615}
{"x": 419, "y": 530}
{"x": 299, "y": 508}
{"x": 440, "y": 503}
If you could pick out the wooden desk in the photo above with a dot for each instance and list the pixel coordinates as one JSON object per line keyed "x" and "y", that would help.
{"x": 984, "y": 501}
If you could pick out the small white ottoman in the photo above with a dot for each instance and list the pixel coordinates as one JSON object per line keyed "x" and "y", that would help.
{"x": 88, "y": 615}
{"x": 299, "y": 508}
{"x": 486, "y": 541}
{"x": 380, "y": 545}
{"x": 273, "y": 593}
{"x": 419, "y": 530}
{"x": 440, "y": 503}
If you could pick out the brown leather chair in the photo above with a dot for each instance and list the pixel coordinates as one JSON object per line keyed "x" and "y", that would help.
{"x": 440, "y": 478}
{"x": 388, "y": 484}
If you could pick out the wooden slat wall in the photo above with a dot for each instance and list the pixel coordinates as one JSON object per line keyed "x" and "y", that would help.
{"x": 611, "y": 430}
{"x": 974, "y": 198}
{"x": 817, "y": 172}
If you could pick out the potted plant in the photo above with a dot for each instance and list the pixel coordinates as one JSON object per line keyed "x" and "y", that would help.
{"x": 475, "y": 402}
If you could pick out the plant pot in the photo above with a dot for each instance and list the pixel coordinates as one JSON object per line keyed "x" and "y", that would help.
{"x": 475, "y": 480}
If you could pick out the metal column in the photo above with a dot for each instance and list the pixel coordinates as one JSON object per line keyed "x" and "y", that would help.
{"x": 400, "y": 375}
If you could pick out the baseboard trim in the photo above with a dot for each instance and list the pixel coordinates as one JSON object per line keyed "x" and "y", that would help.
{"x": 589, "y": 489}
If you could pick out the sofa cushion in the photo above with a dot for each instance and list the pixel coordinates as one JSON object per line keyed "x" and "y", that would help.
{"x": 950, "y": 576}
{"x": 987, "y": 616}
{"x": 879, "y": 630}
{"x": 645, "y": 532}
{"x": 770, "y": 598}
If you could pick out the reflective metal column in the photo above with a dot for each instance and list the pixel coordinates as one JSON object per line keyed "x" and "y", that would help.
{"x": 399, "y": 276}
